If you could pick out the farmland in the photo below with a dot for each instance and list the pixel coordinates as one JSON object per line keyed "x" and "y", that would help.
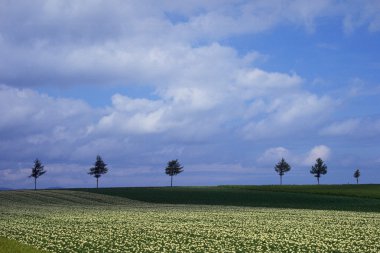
{"x": 77, "y": 221}
{"x": 323, "y": 197}
{"x": 348, "y": 190}
{"x": 13, "y": 246}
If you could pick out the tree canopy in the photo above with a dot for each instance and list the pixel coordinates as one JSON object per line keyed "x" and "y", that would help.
{"x": 99, "y": 169}
{"x": 172, "y": 169}
{"x": 37, "y": 171}
{"x": 318, "y": 169}
{"x": 357, "y": 175}
{"x": 281, "y": 168}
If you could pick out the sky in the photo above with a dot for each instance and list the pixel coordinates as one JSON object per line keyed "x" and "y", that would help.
{"x": 226, "y": 87}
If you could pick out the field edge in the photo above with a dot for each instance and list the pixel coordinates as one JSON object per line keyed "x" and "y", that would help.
{"x": 13, "y": 246}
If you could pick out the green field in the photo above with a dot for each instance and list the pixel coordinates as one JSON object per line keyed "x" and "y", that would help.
{"x": 339, "y": 197}
{"x": 83, "y": 221}
{"x": 12, "y": 246}
{"x": 348, "y": 190}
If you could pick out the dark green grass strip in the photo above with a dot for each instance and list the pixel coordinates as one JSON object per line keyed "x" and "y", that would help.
{"x": 360, "y": 191}
{"x": 12, "y": 246}
{"x": 235, "y": 196}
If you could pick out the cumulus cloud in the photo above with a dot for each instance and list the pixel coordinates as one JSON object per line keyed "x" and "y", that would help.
{"x": 256, "y": 82}
{"x": 28, "y": 113}
{"x": 72, "y": 131}
{"x": 320, "y": 151}
{"x": 37, "y": 125}
{"x": 132, "y": 116}
{"x": 205, "y": 93}
{"x": 288, "y": 114}
{"x": 273, "y": 155}
{"x": 126, "y": 42}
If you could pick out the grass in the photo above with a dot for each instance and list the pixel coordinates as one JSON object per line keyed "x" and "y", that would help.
{"x": 348, "y": 190}
{"x": 13, "y": 246}
{"x": 323, "y": 197}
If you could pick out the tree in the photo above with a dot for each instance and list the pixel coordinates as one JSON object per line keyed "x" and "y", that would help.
{"x": 319, "y": 168}
{"x": 281, "y": 167}
{"x": 357, "y": 175}
{"x": 98, "y": 169}
{"x": 172, "y": 169}
{"x": 37, "y": 171}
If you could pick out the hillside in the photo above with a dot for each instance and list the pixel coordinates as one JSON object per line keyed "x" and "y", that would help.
{"x": 354, "y": 198}
{"x": 60, "y": 198}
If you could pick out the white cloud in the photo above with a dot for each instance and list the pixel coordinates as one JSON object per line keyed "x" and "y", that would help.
{"x": 320, "y": 151}
{"x": 34, "y": 124}
{"x": 136, "y": 123}
{"x": 342, "y": 128}
{"x": 118, "y": 42}
{"x": 273, "y": 155}
{"x": 355, "y": 127}
{"x": 216, "y": 95}
{"x": 252, "y": 17}
{"x": 204, "y": 90}
{"x": 295, "y": 158}
{"x": 28, "y": 111}
{"x": 290, "y": 113}
{"x": 358, "y": 14}
{"x": 256, "y": 82}
{"x": 193, "y": 97}
{"x": 133, "y": 116}
{"x": 126, "y": 104}
{"x": 70, "y": 129}
{"x": 137, "y": 45}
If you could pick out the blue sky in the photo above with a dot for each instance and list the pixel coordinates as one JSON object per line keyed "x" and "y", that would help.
{"x": 226, "y": 87}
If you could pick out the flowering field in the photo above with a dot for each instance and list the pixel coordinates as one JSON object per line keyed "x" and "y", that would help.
{"x": 66, "y": 221}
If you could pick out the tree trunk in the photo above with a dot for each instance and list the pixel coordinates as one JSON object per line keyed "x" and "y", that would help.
{"x": 280, "y": 180}
{"x": 97, "y": 179}
{"x": 171, "y": 181}
{"x": 318, "y": 179}
{"x": 35, "y": 183}
{"x": 357, "y": 180}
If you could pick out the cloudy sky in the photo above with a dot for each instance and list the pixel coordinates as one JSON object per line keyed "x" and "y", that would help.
{"x": 227, "y": 87}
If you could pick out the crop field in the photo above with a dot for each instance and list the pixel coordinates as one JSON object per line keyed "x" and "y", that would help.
{"x": 75, "y": 221}
{"x": 319, "y": 197}
{"x": 348, "y": 190}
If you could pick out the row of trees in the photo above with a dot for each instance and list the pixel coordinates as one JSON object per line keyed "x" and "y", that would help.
{"x": 318, "y": 169}
{"x": 174, "y": 168}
